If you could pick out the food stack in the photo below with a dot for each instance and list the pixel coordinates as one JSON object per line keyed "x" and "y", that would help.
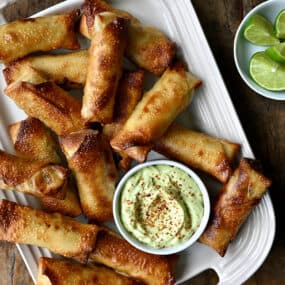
{"x": 114, "y": 117}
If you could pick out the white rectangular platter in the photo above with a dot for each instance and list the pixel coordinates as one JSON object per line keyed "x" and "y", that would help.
{"x": 211, "y": 112}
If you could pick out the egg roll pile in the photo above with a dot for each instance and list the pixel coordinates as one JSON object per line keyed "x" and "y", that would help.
{"x": 113, "y": 116}
{"x": 70, "y": 238}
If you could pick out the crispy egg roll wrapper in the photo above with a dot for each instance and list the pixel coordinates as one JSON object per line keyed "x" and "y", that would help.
{"x": 90, "y": 158}
{"x": 147, "y": 47}
{"x": 104, "y": 68}
{"x": 235, "y": 202}
{"x": 117, "y": 253}
{"x": 68, "y": 206}
{"x": 29, "y": 74}
{"x": 197, "y": 150}
{"x": 128, "y": 95}
{"x": 60, "y": 234}
{"x": 23, "y": 37}
{"x": 48, "y": 103}
{"x": 32, "y": 177}
{"x": 158, "y": 108}
{"x": 31, "y": 139}
{"x": 69, "y": 69}
{"x": 64, "y": 272}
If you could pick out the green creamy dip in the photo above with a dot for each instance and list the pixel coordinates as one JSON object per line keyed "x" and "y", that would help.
{"x": 161, "y": 206}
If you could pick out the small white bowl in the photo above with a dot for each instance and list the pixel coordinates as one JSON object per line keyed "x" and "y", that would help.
{"x": 243, "y": 49}
{"x": 170, "y": 250}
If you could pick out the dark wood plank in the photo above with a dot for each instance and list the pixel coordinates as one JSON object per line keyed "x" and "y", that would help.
{"x": 262, "y": 119}
{"x": 249, "y": 4}
{"x": 12, "y": 269}
{"x": 25, "y": 8}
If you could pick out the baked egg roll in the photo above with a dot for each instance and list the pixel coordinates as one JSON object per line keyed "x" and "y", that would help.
{"x": 104, "y": 68}
{"x": 117, "y": 253}
{"x": 128, "y": 95}
{"x": 23, "y": 37}
{"x": 235, "y": 202}
{"x": 158, "y": 108}
{"x": 197, "y": 150}
{"x": 48, "y": 103}
{"x": 147, "y": 47}
{"x": 60, "y": 234}
{"x": 64, "y": 272}
{"x": 31, "y": 139}
{"x": 90, "y": 158}
{"x": 32, "y": 177}
{"x": 69, "y": 69}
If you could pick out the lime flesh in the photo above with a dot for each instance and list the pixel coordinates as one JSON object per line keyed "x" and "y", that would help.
{"x": 277, "y": 52}
{"x": 266, "y": 72}
{"x": 279, "y": 26}
{"x": 259, "y": 31}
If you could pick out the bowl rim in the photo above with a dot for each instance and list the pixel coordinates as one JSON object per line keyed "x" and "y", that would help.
{"x": 262, "y": 91}
{"x": 170, "y": 250}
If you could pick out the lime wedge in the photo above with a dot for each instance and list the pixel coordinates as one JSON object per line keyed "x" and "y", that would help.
{"x": 279, "y": 25}
{"x": 259, "y": 31}
{"x": 266, "y": 72}
{"x": 277, "y": 52}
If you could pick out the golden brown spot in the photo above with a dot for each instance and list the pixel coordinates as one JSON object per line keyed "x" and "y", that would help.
{"x": 8, "y": 215}
{"x": 91, "y": 8}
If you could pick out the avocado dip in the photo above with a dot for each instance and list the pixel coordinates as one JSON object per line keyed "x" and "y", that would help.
{"x": 161, "y": 206}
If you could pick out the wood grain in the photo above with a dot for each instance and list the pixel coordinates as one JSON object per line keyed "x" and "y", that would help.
{"x": 262, "y": 119}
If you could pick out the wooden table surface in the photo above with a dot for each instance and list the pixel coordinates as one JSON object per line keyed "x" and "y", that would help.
{"x": 262, "y": 119}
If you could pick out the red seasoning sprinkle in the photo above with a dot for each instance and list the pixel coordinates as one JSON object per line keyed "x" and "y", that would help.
{"x": 157, "y": 208}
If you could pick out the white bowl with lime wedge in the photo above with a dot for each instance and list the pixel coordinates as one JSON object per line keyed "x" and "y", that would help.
{"x": 260, "y": 67}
